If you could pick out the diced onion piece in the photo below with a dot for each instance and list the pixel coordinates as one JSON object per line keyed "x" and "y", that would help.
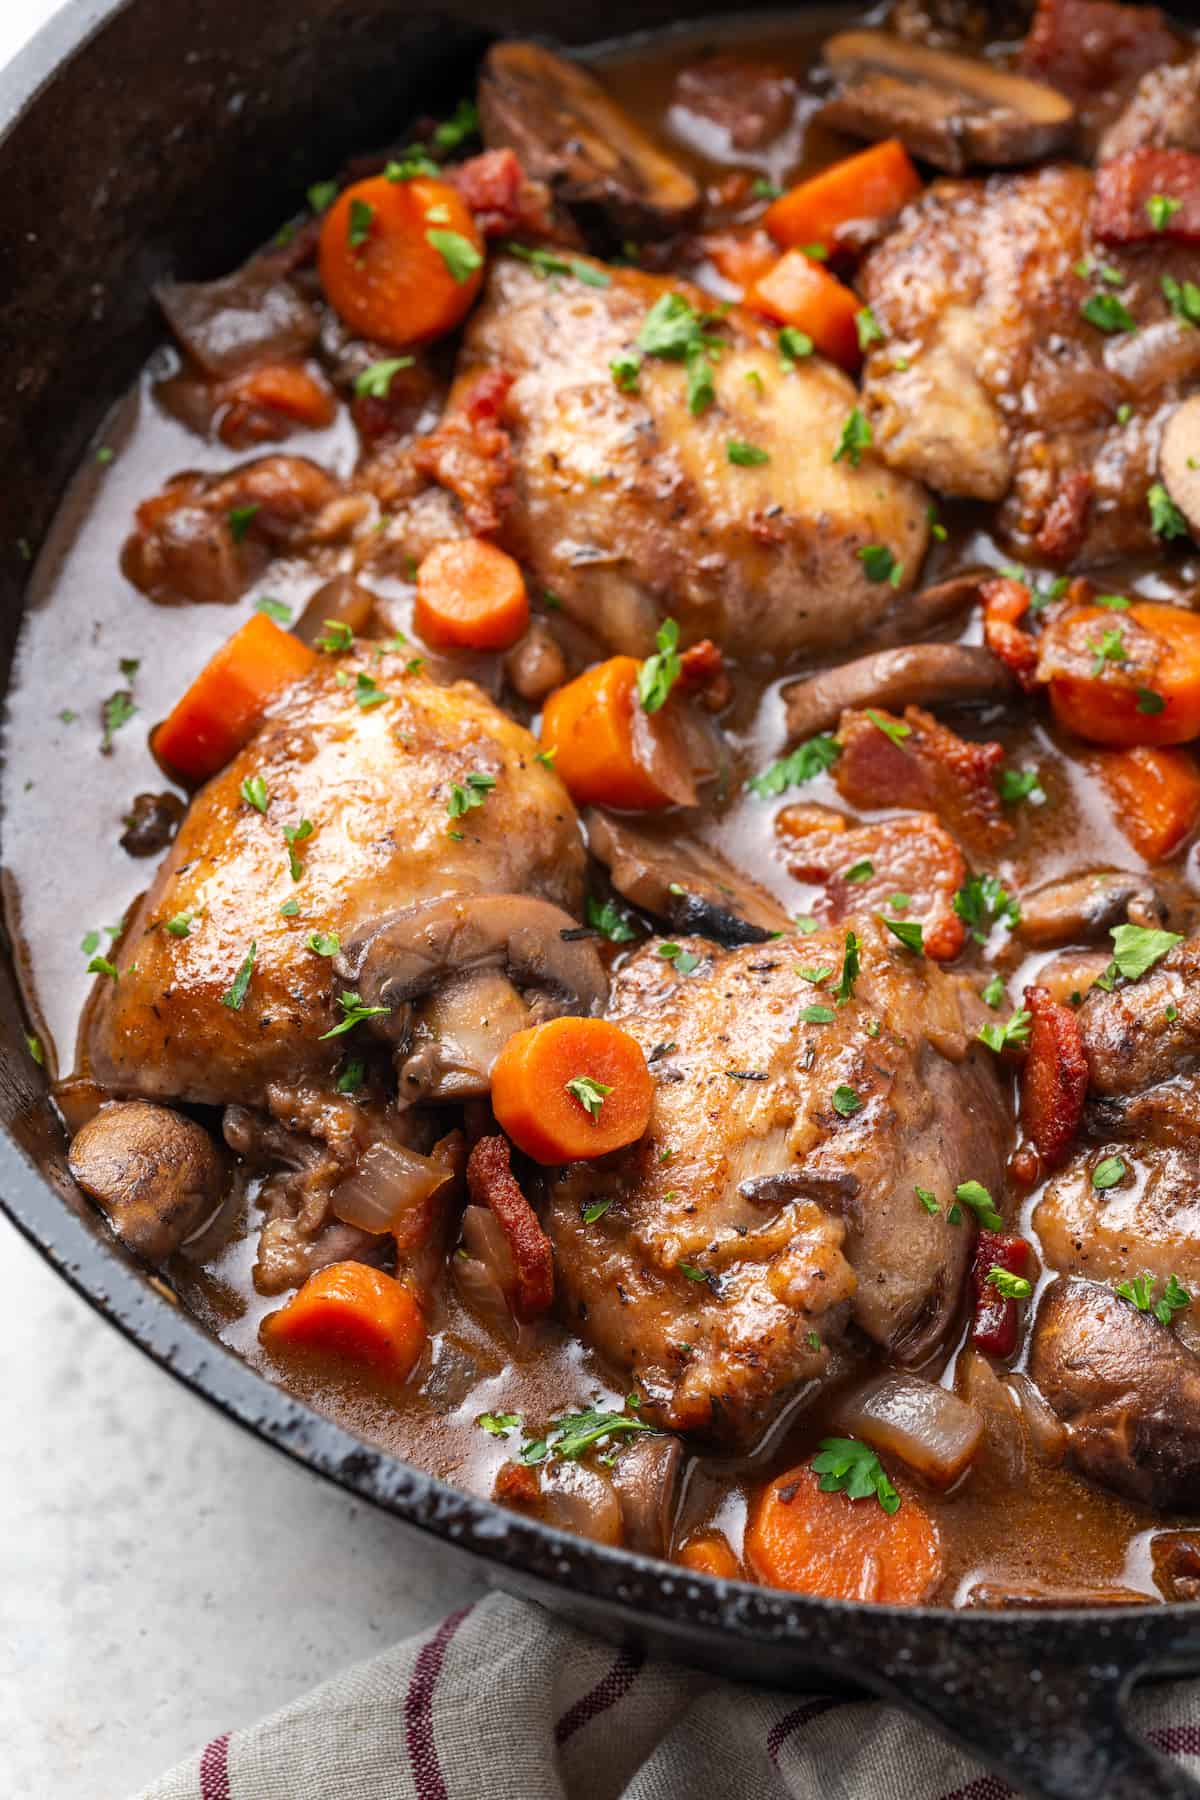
{"x": 486, "y": 1276}
{"x": 926, "y": 1426}
{"x": 389, "y": 1182}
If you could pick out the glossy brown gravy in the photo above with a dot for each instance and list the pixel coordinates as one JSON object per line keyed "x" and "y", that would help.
{"x": 66, "y": 875}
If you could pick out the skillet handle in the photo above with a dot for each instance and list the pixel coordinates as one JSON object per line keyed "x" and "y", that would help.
{"x": 1053, "y": 1728}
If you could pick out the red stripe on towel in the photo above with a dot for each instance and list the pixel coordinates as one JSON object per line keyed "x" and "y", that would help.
{"x": 984, "y": 1787}
{"x": 214, "y": 1770}
{"x": 1176, "y": 1740}
{"x": 608, "y": 1690}
{"x": 783, "y": 1728}
{"x": 418, "y": 1710}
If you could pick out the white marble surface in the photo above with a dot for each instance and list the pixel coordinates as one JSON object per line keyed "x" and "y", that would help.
{"x": 163, "y": 1576}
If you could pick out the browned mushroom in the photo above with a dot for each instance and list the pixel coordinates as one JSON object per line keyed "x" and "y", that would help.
{"x": 569, "y": 133}
{"x": 915, "y": 675}
{"x": 683, "y": 881}
{"x": 647, "y": 1476}
{"x": 1179, "y": 461}
{"x": 156, "y": 1174}
{"x": 1082, "y": 909}
{"x": 952, "y": 111}
{"x": 151, "y": 823}
{"x": 342, "y": 601}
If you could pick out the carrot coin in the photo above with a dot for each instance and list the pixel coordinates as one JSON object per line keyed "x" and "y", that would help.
{"x": 826, "y": 1543}
{"x": 354, "y": 1311}
{"x": 470, "y": 596}
{"x": 400, "y": 261}
{"x": 572, "y": 1089}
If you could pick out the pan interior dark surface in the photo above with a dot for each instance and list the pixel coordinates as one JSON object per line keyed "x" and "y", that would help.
{"x": 91, "y": 217}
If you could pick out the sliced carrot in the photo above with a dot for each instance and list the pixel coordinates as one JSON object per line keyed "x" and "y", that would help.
{"x": 710, "y": 1554}
{"x": 223, "y": 706}
{"x": 351, "y": 1310}
{"x": 572, "y": 1089}
{"x": 610, "y": 752}
{"x": 818, "y": 1543}
{"x": 1155, "y": 795}
{"x": 740, "y": 256}
{"x": 798, "y": 291}
{"x": 262, "y": 403}
{"x": 400, "y": 261}
{"x": 872, "y": 185}
{"x": 1152, "y": 697}
{"x": 470, "y": 596}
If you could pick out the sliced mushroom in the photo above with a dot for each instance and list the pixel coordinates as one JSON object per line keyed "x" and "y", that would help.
{"x": 254, "y": 315}
{"x": 646, "y": 1476}
{"x": 342, "y": 601}
{"x": 580, "y": 1500}
{"x": 914, "y": 675}
{"x": 916, "y": 615}
{"x": 1179, "y": 461}
{"x": 1083, "y": 908}
{"x": 1036, "y": 1595}
{"x": 569, "y": 133}
{"x": 458, "y": 975}
{"x": 683, "y": 881}
{"x": 952, "y": 111}
{"x": 156, "y": 1174}
{"x": 1126, "y": 1388}
{"x": 151, "y": 823}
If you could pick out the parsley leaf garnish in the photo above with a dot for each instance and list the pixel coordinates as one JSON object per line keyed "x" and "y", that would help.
{"x": 179, "y": 925}
{"x": 293, "y": 835}
{"x": 116, "y": 711}
{"x": 457, "y": 252}
{"x": 802, "y": 764}
{"x": 1166, "y": 520}
{"x": 1000, "y": 1037}
{"x": 1183, "y": 298}
{"x": 358, "y": 223}
{"x": 856, "y": 437}
{"x": 1161, "y": 209}
{"x": 626, "y": 367}
{"x": 1015, "y": 785}
{"x": 847, "y": 1466}
{"x": 591, "y": 1094}
{"x": 571, "y": 1436}
{"x": 794, "y": 346}
{"x": 1106, "y": 1174}
{"x": 891, "y": 728}
{"x": 279, "y": 610}
{"x": 910, "y": 932}
{"x": 234, "y": 996}
{"x": 1136, "y": 948}
{"x": 351, "y": 1077}
{"x": 547, "y": 263}
{"x": 254, "y": 792}
{"x": 324, "y": 943}
{"x": 682, "y": 961}
{"x": 1013, "y": 1287}
{"x": 1107, "y": 313}
{"x": 869, "y": 330}
{"x": 321, "y": 195}
{"x": 354, "y": 1011}
{"x": 240, "y": 519}
{"x": 879, "y": 564}
{"x": 498, "y": 1424}
{"x": 976, "y": 1196}
{"x": 746, "y": 456}
{"x": 981, "y": 903}
{"x": 376, "y": 379}
{"x": 605, "y": 916}
{"x": 659, "y": 673}
{"x": 368, "y": 693}
{"x": 845, "y": 1101}
{"x": 850, "y": 969}
{"x": 463, "y": 123}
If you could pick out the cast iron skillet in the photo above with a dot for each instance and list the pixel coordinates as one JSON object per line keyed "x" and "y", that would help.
{"x": 139, "y": 137}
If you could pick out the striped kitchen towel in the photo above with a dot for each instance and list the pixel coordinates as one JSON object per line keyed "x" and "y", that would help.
{"x": 502, "y": 1701}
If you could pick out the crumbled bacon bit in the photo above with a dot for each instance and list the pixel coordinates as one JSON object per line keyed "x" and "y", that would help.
{"x": 518, "y": 1485}
{"x": 264, "y": 404}
{"x": 923, "y": 764}
{"x": 1125, "y": 184}
{"x": 1085, "y": 47}
{"x": 1004, "y": 602}
{"x": 913, "y": 856}
{"x": 995, "y": 1325}
{"x": 1055, "y": 1077}
{"x": 506, "y": 202}
{"x": 703, "y": 674}
{"x": 470, "y": 452}
{"x": 1065, "y": 524}
{"x": 492, "y": 1183}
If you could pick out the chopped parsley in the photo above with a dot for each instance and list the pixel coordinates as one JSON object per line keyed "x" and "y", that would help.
{"x": 457, "y": 252}
{"x": 595, "y": 1209}
{"x": 659, "y": 673}
{"x": 321, "y": 195}
{"x": 1183, "y": 298}
{"x": 376, "y": 379}
{"x": 1015, "y": 785}
{"x": 33, "y": 1044}
{"x": 358, "y": 223}
{"x": 993, "y": 993}
{"x": 762, "y": 189}
{"x": 910, "y": 932}
{"x": 804, "y": 763}
{"x": 336, "y": 638}
{"x": 845, "y": 1101}
{"x": 879, "y": 564}
{"x": 856, "y": 437}
{"x": 1109, "y": 648}
{"x": 850, "y": 969}
{"x": 1161, "y": 209}
{"x": 324, "y": 943}
{"x": 869, "y": 330}
{"x": 1166, "y": 520}
{"x": 981, "y": 903}
{"x": 928, "y": 1199}
{"x": 674, "y": 330}
{"x": 1124, "y": 413}
{"x": 463, "y": 123}
{"x": 498, "y": 1424}
{"x": 234, "y": 996}
{"x": 794, "y": 346}
{"x": 279, "y": 610}
{"x": 1107, "y": 313}
{"x": 469, "y": 793}
{"x": 1150, "y": 701}
{"x": 293, "y": 835}
{"x": 547, "y": 263}
{"x": 746, "y": 456}
{"x": 351, "y": 1077}
{"x": 289, "y": 909}
{"x": 682, "y": 961}
{"x": 847, "y": 1466}
{"x": 936, "y": 528}
{"x": 412, "y": 162}
{"x": 100, "y": 965}
{"x": 1140, "y": 1293}
{"x": 891, "y": 728}
{"x": 817, "y": 1015}
{"x": 625, "y": 370}
{"x": 1136, "y": 948}
{"x": 571, "y": 1436}
{"x": 254, "y": 792}
{"x": 368, "y": 693}
{"x": 354, "y": 1011}
{"x": 1106, "y": 1174}
{"x": 1013, "y": 1287}
{"x": 859, "y": 871}
{"x": 605, "y": 916}
{"x": 1002, "y": 1037}
{"x": 179, "y": 925}
{"x": 590, "y": 1094}
{"x": 240, "y": 519}
{"x": 116, "y": 711}
{"x": 976, "y": 1196}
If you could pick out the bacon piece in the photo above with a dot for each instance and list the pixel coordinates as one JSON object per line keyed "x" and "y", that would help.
{"x": 518, "y": 1485}
{"x": 470, "y": 452}
{"x": 703, "y": 674}
{"x": 1065, "y": 525}
{"x": 1124, "y": 185}
{"x": 1004, "y": 602}
{"x": 912, "y": 856}
{"x": 506, "y": 202}
{"x": 380, "y": 418}
{"x": 1085, "y": 47}
{"x": 1055, "y": 1077}
{"x": 995, "y": 1325}
{"x": 921, "y": 763}
{"x": 491, "y": 1183}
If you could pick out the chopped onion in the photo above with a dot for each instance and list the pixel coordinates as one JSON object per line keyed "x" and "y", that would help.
{"x": 926, "y": 1426}
{"x": 389, "y": 1183}
{"x": 486, "y": 1276}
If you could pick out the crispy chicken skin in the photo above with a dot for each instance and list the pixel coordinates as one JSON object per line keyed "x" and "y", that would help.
{"x": 1005, "y": 391}
{"x": 375, "y": 785}
{"x": 626, "y": 504}
{"x": 756, "y": 1219}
